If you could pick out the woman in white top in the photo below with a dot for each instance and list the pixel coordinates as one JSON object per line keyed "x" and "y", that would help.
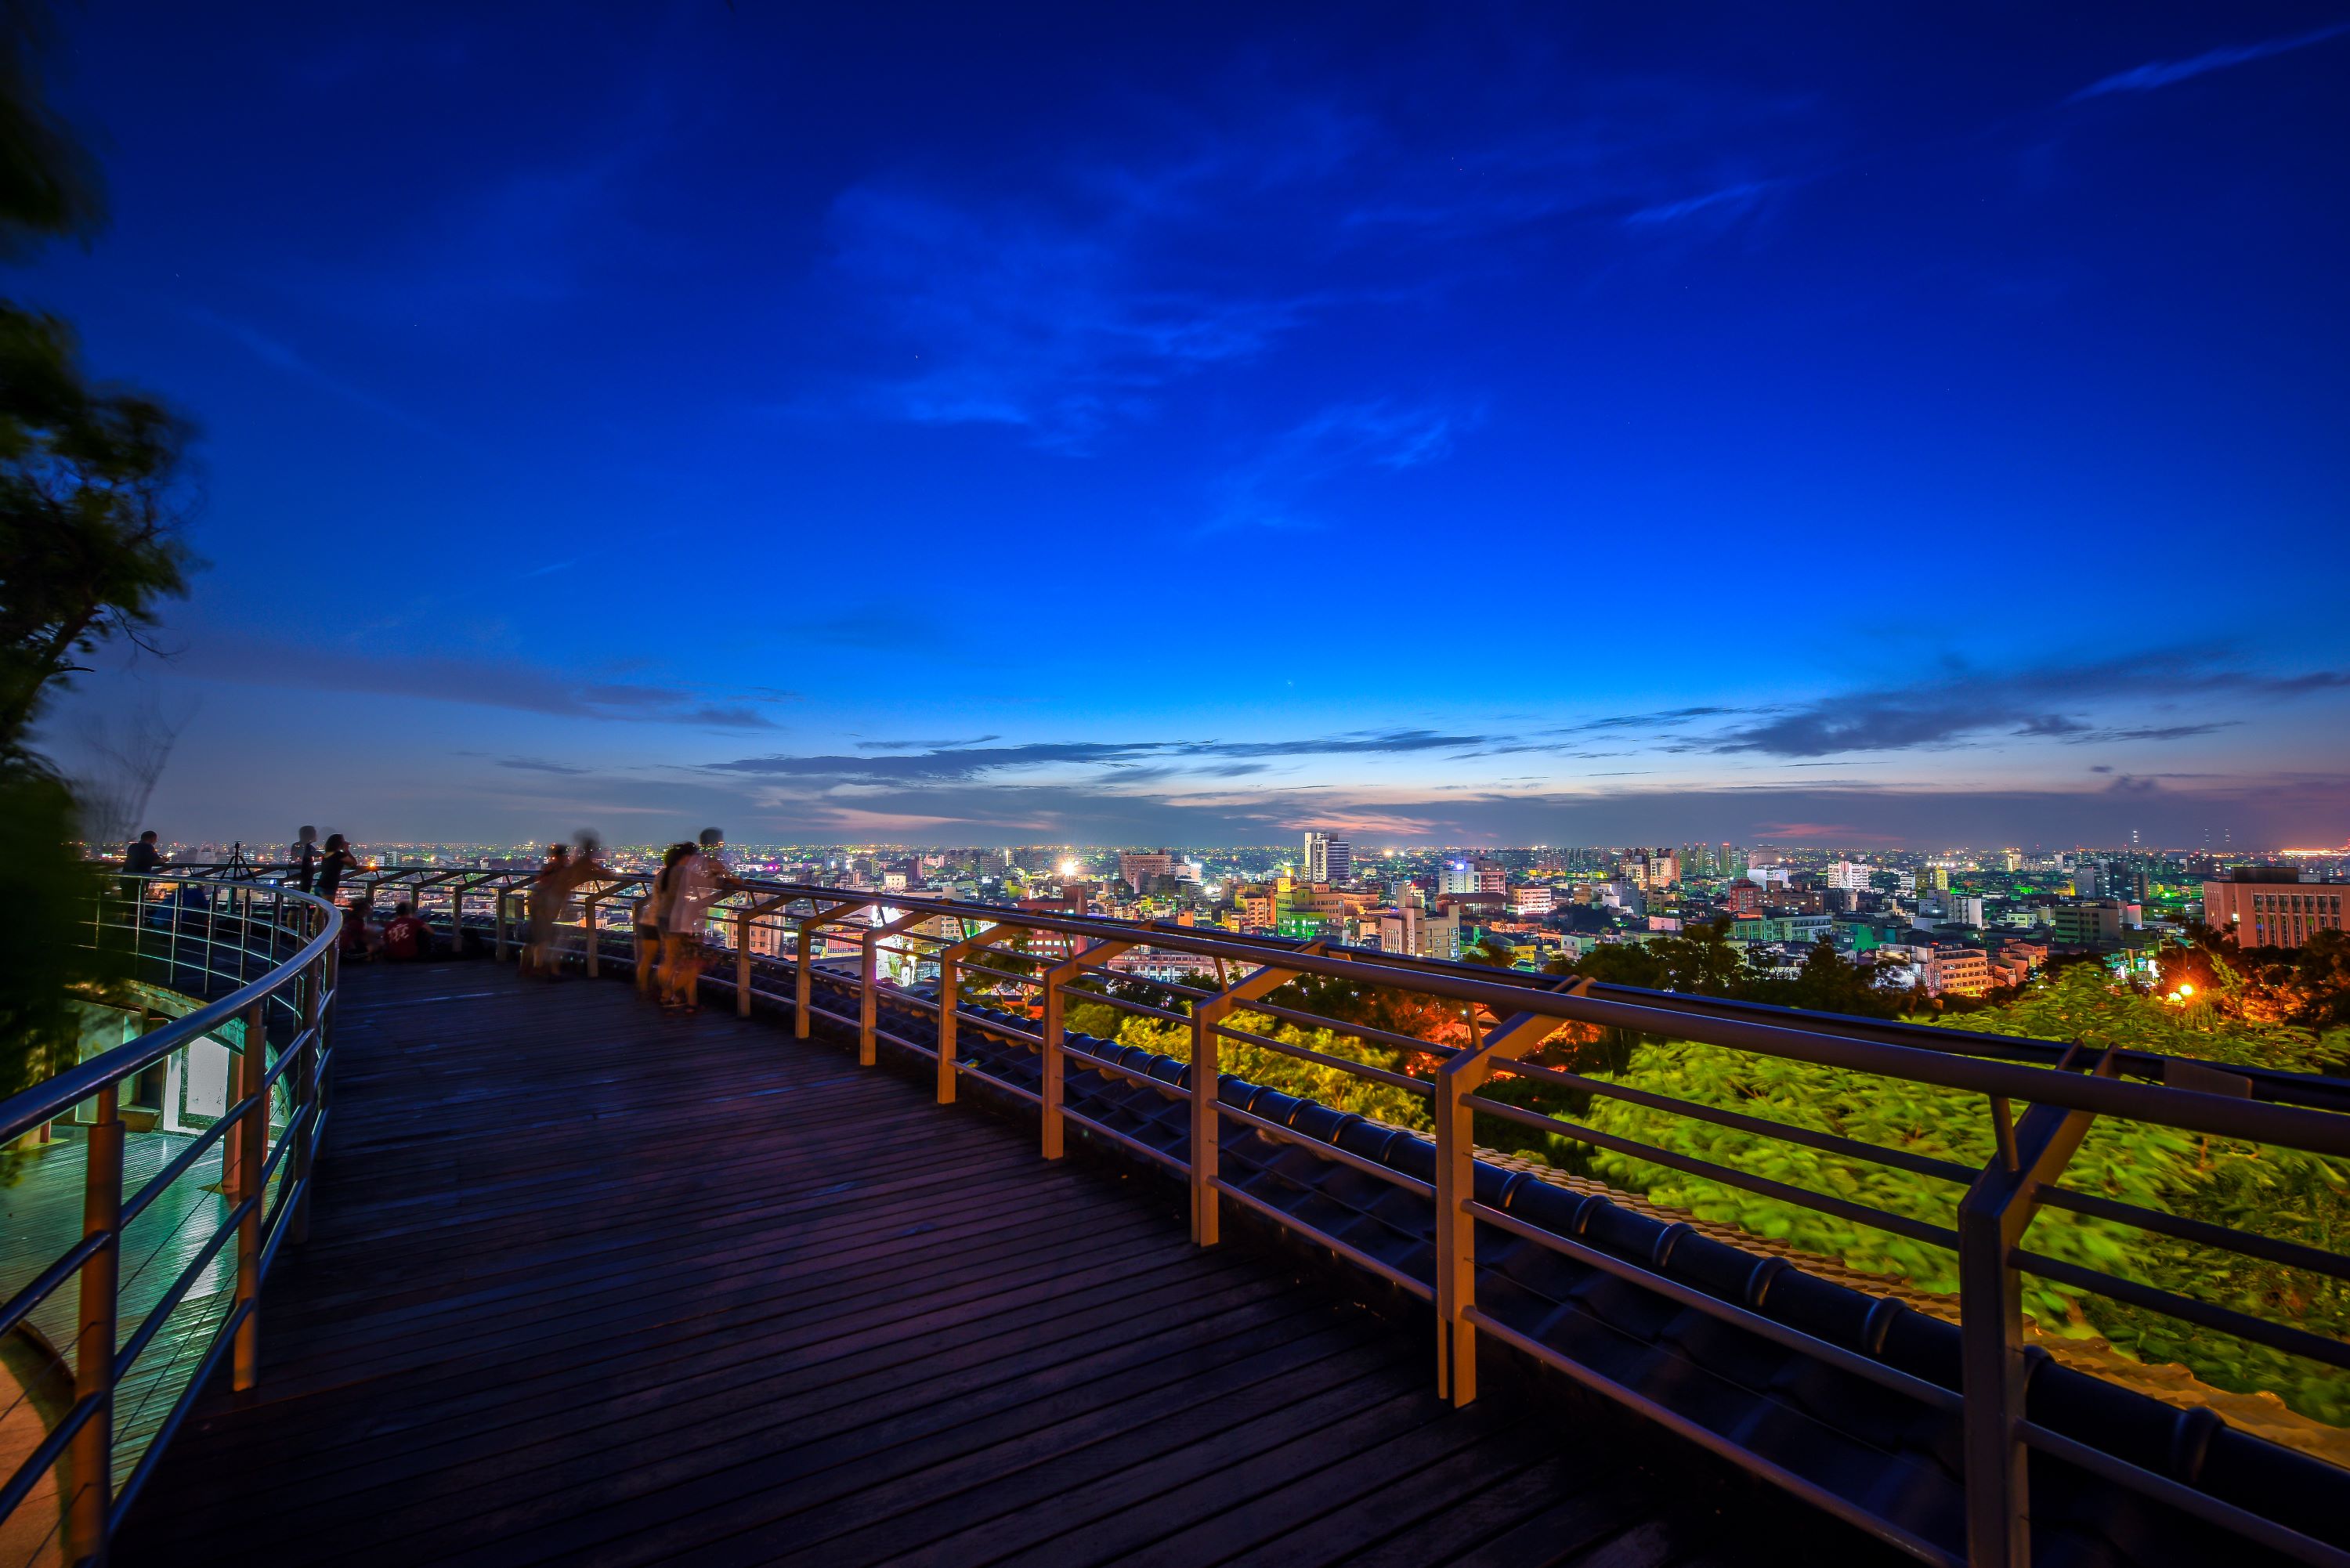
{"x": 651, "y": 910}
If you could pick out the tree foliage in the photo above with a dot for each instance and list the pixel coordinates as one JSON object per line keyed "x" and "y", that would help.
{"x": 91, "y": 501}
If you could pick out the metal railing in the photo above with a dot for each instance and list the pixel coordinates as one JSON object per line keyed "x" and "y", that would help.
{"x": 265, "y": 957}
{"x": 777, "y": 933}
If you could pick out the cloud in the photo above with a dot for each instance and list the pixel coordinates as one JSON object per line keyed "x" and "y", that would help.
{"x": 278, "y": 355}
{"x": 1969, "y": 703}
{"x": 531, "y": 765}
{"x": 1274, "y": 489}
{"x": 1024, "y": 318}
{"x": 1164, "y": 758}
{"x": 1727, "y": 204}
{"x": 2162, "y": 73}
{"x": 482, "y": 680}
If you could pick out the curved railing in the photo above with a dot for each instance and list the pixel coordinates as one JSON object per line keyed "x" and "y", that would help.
{"x": 818, "y": 953}
{"x": 254, "y": 965}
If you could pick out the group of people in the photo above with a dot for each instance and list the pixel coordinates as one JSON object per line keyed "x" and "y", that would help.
{"x": 671, "y": 917}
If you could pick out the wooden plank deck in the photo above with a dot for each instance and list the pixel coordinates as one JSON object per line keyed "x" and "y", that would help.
{"x": 588, "y": 1284}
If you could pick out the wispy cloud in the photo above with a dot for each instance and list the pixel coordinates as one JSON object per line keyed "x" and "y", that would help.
{"x": 482, "y": 680}
{"x": 1728, "y": 202}
{"x": 2162, "y": 73}
{"x": 1276, "y": 488}
{"x": 533, "y": 766}
{"x": 1128, "y": 759}
{"x": 281, "y": 356}
{"x": 2030, "y": 703}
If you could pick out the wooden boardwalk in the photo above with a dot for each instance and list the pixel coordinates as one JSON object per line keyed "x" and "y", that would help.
{"x": 586, "y": 1285}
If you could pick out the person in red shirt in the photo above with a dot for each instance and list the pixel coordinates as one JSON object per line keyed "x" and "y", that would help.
{"x": 407, "y": 936}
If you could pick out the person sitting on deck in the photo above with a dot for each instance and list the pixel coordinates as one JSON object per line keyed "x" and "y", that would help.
{"x": 359, "y": 939}
{"x": 407, "y": 936}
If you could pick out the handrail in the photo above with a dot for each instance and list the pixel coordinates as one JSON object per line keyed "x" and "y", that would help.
{"x": 300, "y": 987}
{"x": 798, "y": 924}
{"x": 1680, "y": 1014}
{"x": 45, "y": 1102}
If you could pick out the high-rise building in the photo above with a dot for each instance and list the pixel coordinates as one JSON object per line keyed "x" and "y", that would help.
{"x": 1328, "y": 859}
{"x": 1138, "y": 870}
{"x": 2271, "y": 907}
{"x": 1456, "y": 876}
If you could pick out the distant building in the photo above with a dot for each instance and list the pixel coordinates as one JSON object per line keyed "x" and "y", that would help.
{"x": 2271, "y": 907}
{"x": 1492, "y": 877}
{"x": 1456, "y": 876}
{"x": 1138, "y": 870}
{"x": 1958, "y": 971}
{"x": 1850, "y": 876}
{"x": 1328, "y": 859}
{"x": 1525, "y": 900}
{"x": 1743, "y": 898}
{"x": 2094, "y": 924}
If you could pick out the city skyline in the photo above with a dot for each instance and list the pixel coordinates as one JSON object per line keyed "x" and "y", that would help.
{"x": 1892, "y": 432}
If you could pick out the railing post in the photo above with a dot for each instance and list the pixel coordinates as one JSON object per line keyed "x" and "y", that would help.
{"x": 804, "y": 962}
{"x": 504, "y": 895}
{"x": 1456, "y": 1184}
{"x": 1055, "y": 1025}
{"x": 1207, "y": 1122}
{"x": 742, "y": 964}
{"x": 1991, "y": 1221}
{"x": 252, "y": 1133}
{"x": 868, "y": 995}
{"x": 93, "y": 1446}
{"x": 312, "y": 1024}
{"x": 588, "y": 924}
{"x": 751, "y": 911}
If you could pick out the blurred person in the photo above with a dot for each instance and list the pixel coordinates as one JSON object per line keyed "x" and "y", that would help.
{"x": 407, "y": 936}
{"x": 695, "y": 883}
{"x": 652, "y": 910}
{"x": 548, "y": 891}
{"x": 337, "y": 860}
{"x": 304, "y": 856}
{"x": 140, "y": 858}
{"x": 359, "y": 940}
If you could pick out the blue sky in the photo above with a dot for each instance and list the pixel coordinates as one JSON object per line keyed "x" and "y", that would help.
{"x": 1465, "y": 424}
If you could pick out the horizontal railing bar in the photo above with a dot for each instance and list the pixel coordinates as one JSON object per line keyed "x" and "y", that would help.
{"x": 1852, "y": 1361}
{"x": 1326, "y": 1151}
{"x": 1004, "y": 975}
{"x": 1715, "y": 1442}
{"x": 222, "y": 1337}
{"x": 1304, "y": 1054}
{"x": 156, "y": 1185}
{"x": 48, "y": 1101}
{"x": 44, "y": 1459}
{"x": 1832, "y": 1143}
{"x": 1136, "y": 1144}
{"x": 152, "y": 1324}
{"x": 1859, "y": 1213}
{"x": 929, "y": 1050}
{"x": 993, "y": 1082}
{"x": 2185, "y": 1499}
{"x": 1142, "y": 1008}
{"x": 1353, "y": 1254}
{"x": 1784, "y": 1032}
{"x": 1084, "y": 1058}
{"x": 1362, "y": 1031}
{"x": 2226, "y": 1320}
{"x": 50, "y": 1278}
{"x": 2251, "y": 1243}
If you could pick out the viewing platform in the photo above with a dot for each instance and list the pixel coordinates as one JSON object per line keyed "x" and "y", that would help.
{"x": 883, "y": 1257}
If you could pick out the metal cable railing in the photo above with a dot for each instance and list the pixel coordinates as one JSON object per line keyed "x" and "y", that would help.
{"x": 2037, "y": 1101}
{"x": 255, "y": 964}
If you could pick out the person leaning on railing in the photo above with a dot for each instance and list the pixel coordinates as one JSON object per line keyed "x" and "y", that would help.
{"x": 652, "y": 912}
{"x": 695, "y": 883}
